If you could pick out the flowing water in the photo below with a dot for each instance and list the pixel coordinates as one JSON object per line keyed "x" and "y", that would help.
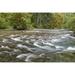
{"x": 38, "y": 46}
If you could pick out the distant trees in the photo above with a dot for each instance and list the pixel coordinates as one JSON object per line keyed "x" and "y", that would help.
{"x": 41, "y": 20}
{"x": 20, "y": 21}
{"x": 57, "y": 21}
{"x": 3, "y": 21}
{"x": 25, "y": 21}
{"x": 71, "y": 24}
{"x": 47, "y": 20}
{"x": 69, "y": 21}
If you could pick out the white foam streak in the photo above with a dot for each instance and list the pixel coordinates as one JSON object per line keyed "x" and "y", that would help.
{"x": 5, "y": 47}
{"x": 21, "y": 46}
{"x": 71, "y": 48}
{"x": 17, "y": 39}
{"x": 46, "y": 43}
{"x": 56, "y": 40}
{"x": 4, "y": 40}
{"x": 26, "y": 57}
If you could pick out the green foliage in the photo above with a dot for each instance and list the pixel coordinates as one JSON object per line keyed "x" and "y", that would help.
{"x": 25, "y": 21}
{"x": 3, "y": 23}
{"x": 21, "y": 21}
{"x": 71, "y": 24}
{"x": 17, "y": 22}
{"x": 47, "y": 20}
{"x": 57, "y": 20}
{"x": 41, "y": 20}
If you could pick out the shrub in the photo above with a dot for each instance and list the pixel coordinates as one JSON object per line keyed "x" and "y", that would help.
{"x": 17, "y": 22}
{"x": 3, "y": 23}
{"x": 57, "y": 20}
{"x": 20, "y": 21}
{"x": 71, "y": 24}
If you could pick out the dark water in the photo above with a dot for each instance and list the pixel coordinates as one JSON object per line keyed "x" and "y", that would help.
{"x": 42, "y": 46}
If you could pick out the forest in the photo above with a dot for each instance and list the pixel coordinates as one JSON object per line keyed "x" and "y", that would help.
{"x": 29, "y": 21}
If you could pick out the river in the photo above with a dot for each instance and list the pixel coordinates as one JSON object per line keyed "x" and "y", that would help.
{"x": 42, "y": 45}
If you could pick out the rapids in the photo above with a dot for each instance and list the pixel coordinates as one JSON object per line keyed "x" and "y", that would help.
{"x": 29, "y": 47}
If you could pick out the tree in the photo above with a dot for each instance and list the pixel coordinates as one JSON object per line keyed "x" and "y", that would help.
{"x": 47, "y": 20}
{"x": 4, "y": 24}
{"x": 57, "y": 20}
{"x": 71, "y": 24}
{"x": 20, "y": 21}
{"x": 41, "y": 20}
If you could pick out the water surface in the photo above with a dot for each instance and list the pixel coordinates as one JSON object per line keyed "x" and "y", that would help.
{"x": 39, "y": 45}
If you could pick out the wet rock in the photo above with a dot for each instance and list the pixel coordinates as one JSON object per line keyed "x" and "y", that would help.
{"x": 26, "y": 57}
{"x": 23, "y": 47}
